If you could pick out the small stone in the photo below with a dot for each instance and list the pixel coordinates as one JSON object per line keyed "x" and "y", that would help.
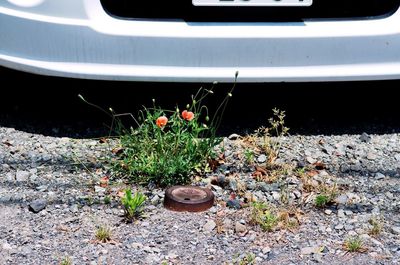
{"x": 339, "y": 227}
{"x": 395, "y": 230}
{"x": 309, "y": 250}
{"x": 136, "y": 245}
{"x": 348, "y": 227}
{"x": 276, "y": 195}
{"x": 365, "y": 237}
{"x": 261, "y": 158}
{"x": 26, "y": 251}
{"x": 233, "y": 185}
{"x": 365, "y": 138}
{"x": 341, "y": 199}
{"x": 376, "y": 210}
{"x": 33, "y": 177}
{"x": 37, "y": 205}
{"x": 209, "y": 226}
{"x": 22, "y": 176}
{"x": 155, "y": 200}
{"x": 397, "y": 157}
{"x": 348, "y": 212}
{"x": 371, "y": 156}
{"x": 240, "y": 228}
{"x": 328, "y": 212}
{"x": 258, "y": 260}
{"x": 233, "y": 136}
{"x": 379, "y": 176}
{"x": 74, "y": 208}
{"x": 249, "y": 197}
{"x": 7, "y": 246}
{"x": 264, "y": 187}
{"x": 235, "y": 204}
{"x": 10, "y": 177}
{"x": 216, "y": 188}
{"x": 266, "y": 250}
{"x": 341, "y": 213}
{"x": 389, "y": 195}
{"x": 42, "y": 188}
{"x": 99, "y": 189}
{"x": 145, "y": 224}
{"x": 310, "y": 160}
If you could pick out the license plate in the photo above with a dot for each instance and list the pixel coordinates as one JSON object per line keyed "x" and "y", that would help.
{"x": 252, "y": 2}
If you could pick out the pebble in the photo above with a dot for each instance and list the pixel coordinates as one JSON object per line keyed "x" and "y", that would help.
{"x": 235, "y": 204}
{"x": 261, "y": 158}
{"x": 339, "y": 227}
{"x": 365, "y": 138}
{"x": 233, "y": 136}
{"x": 395, "y": 230}
{"x": 209, "y": 226}
{"x": 10, "y": 177}
{"x": 37, "y": 205}
{"x": 240, "y": 228}
{"x": 371, "y": 156}
{"x": 379, "y": 176}
{"x": 99, "y": 189}
{"x": 22, "y": 176}
{"x": 266, "y": 250}
{"x": 309, "y": 250}
{"x": 342, "y": 199}
{"x": 155, "y": 200}
{"x": 340, "y": 213}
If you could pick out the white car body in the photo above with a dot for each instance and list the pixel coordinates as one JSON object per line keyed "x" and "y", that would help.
{"x": 78, "y": 38}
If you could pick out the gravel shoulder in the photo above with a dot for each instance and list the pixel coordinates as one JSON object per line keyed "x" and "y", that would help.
{"x": 59, "y": 179}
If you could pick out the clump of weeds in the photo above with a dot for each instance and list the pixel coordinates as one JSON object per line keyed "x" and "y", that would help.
{"x": 133, "y": 204}
{"x": 376, "y": 226}
{"x": 103, "y": 234}
{"x": 354, "y": 244}
{"x": 270, "y": 219}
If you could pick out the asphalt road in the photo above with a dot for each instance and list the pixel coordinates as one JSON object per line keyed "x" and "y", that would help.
{"x": 50, "y": 105}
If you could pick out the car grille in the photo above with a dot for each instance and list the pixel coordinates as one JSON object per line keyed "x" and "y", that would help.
{"x": 183, "y": 9}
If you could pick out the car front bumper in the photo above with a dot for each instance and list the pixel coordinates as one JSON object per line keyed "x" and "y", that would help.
{"x": 77, "y": 38}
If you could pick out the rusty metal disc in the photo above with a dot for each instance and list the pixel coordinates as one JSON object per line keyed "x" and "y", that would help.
{"x": 188, "y": 198}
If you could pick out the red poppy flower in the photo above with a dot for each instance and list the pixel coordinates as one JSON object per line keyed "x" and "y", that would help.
{"x": 161, "y": 121}
{"x": 187, "y": 115}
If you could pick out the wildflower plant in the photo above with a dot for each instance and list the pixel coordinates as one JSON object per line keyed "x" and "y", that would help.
{"x": 168, "y": 146}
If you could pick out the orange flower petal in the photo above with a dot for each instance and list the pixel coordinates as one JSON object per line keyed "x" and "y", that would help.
{"x": 161, "y": 121}
{"x": 187, "y": 115}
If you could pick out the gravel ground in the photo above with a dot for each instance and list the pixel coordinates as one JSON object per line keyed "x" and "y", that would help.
{"x": 59, "y": 177}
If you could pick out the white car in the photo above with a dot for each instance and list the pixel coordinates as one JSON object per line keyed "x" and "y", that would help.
{"x": 203, "y": 40}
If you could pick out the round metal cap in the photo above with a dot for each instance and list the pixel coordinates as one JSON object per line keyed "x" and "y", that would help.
{"x": 188, "y": 198}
